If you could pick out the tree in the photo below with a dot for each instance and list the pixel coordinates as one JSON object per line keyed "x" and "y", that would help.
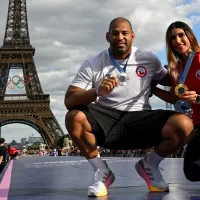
{"x": 61, "y": 140}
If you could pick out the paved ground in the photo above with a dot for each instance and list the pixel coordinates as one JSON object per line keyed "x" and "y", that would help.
{"x": 67, "y": 178}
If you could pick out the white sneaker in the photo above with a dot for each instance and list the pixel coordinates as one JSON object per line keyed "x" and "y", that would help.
{"x": 101, "y": 181}
{"x": 152, "y": 176}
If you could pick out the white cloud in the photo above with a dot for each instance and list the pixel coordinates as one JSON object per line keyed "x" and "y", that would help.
{"x": 65, "y": 32}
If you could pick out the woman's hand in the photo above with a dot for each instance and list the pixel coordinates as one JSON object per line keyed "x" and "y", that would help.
{"x": 189, "y": 96}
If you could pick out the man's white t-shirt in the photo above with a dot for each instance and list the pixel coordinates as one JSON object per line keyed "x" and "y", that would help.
{"x": 142, "y": 68}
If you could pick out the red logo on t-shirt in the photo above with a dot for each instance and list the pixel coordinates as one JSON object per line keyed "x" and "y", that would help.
{"x": 141, "y": 71}
{"x": 198, "y": 74}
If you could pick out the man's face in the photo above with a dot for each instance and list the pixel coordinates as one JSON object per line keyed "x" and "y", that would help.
{"x": 120, "y": 38}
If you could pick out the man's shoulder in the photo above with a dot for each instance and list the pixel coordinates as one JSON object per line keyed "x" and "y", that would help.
{"x": 98, "y": 56}
{"x": 141, "y": 55}
{"x": 141, "y": 52}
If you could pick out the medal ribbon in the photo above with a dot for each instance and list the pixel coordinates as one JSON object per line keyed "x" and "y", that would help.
{"x": 186, "y": 70}
{"x": 116, "y": 64}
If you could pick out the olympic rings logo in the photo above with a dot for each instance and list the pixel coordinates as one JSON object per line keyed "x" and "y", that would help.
{"x": 15, "y": 81}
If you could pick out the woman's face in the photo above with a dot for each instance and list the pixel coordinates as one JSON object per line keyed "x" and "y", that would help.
{"x": 180, "y": 42}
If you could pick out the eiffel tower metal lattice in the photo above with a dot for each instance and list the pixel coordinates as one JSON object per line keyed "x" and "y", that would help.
{"x": 33, "y": 107}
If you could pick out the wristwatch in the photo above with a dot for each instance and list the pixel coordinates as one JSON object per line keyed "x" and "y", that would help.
{"x": 197, "y": 99}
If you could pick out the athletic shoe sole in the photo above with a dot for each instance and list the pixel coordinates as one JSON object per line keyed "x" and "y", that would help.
{"x": 140, "y": 170}
{"x": 109, "y": 181}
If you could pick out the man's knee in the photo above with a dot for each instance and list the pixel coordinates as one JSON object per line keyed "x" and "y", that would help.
{"x": 74, "y": 116}
{"x": 179, "y": 125}
{"x": 76, "y": 123}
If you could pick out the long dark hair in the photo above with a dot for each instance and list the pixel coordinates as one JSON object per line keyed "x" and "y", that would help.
{"x": 172, "y": 55}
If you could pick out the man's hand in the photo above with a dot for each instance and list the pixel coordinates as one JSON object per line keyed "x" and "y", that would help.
{"x": 189, "y": 96}
{"x": 107, "y": 86}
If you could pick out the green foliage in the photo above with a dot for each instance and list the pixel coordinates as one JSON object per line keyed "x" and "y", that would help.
{"x": 61, "y": 140}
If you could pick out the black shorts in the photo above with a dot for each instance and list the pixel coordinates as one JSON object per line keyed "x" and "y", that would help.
{"x": 191, "y": 167}
{"x": 121, "y": 130}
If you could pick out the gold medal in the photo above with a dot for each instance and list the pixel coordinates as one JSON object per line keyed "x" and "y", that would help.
{"x": 180, "y": 89}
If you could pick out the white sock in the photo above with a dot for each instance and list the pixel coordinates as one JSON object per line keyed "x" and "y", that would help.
{"x": 97, "y": 163}
{"x": 153, "y": 158}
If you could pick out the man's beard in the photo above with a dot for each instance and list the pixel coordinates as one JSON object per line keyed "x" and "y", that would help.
{"x": 119, "y": 52}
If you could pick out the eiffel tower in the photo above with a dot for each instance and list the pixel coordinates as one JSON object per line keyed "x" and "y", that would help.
{"x": 33, "y": 107}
